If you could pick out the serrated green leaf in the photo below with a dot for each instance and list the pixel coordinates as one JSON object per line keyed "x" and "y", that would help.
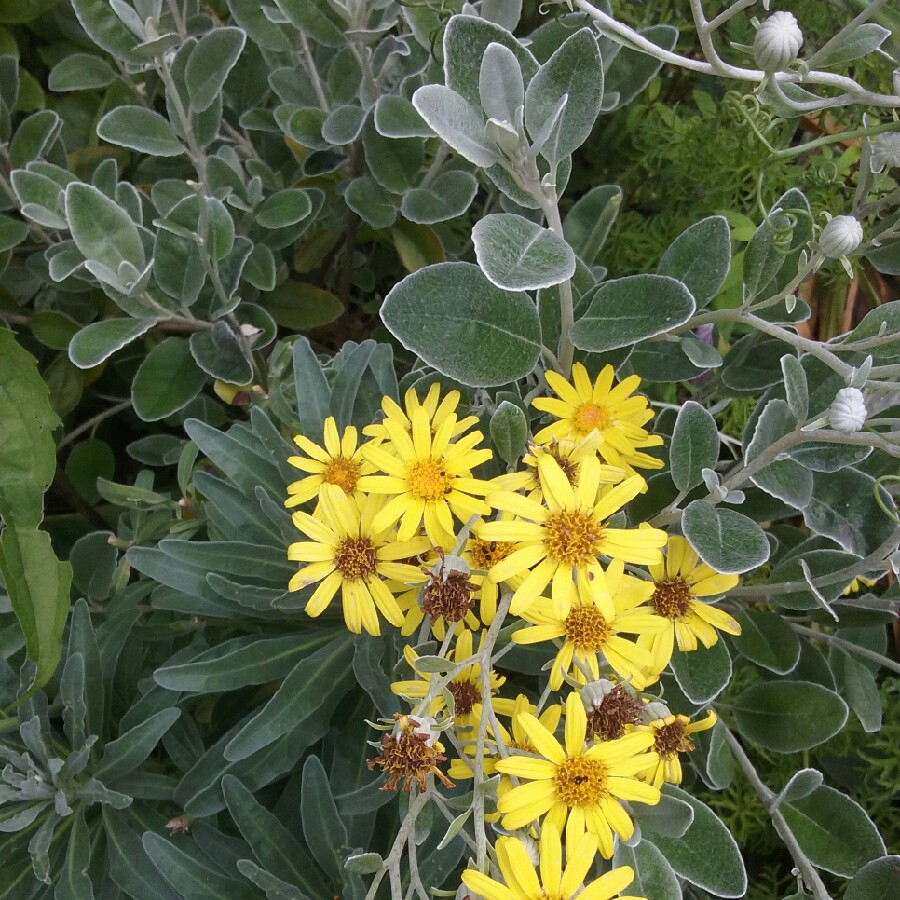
{"x": 441, "y": 311}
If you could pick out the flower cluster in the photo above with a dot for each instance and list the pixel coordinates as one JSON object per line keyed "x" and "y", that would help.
{"x": 410, "y": 531}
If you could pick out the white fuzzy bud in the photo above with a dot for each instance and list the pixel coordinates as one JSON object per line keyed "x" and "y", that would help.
{"x": 595, "y": 692}
{"x": 847, "y": 412}
{"x": 655, "y": 710}
{"x": 426, "y": 726}
{"x": 778, "y": 42}
{"x": 885, "y": 151}
{"x": 842, "y": 235}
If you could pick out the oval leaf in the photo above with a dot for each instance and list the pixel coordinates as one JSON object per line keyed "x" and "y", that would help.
{"x": 695, "y": 445}
{"x": 442, "y": 311}
{"x": 139, "y": 128}
{"x": 167, "y": 380}
{"x": 728, "y": 541}
{"x": 99, "y": 340}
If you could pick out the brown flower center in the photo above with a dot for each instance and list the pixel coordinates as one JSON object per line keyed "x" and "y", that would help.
{"x": 673, "y": 738}
{"x": 342, "y": 472}
{"x": 406, "y": 756}
{"x": 354, "y": 558}
{"x": 571, "y": 537}
{"x": 672, "y": 599}
{"x": 587, "y": 628}
{"x": 580, "y": 781}
{"x": 486, "y": 554}
{"x": 448, "y": 594}
{"x": 465, "y": 695}
{"x": 618, "y": 708}
{"x": 428, "y": 480}
{"x": 590, "y": 417}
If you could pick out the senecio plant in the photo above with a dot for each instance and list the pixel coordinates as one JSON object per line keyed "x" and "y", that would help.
{"x": 494, "y": 599}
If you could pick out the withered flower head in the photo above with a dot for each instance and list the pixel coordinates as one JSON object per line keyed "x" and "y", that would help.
{"x": 409, "y": 753}
{"x": 608, "y": 718}
{"x": 449, "y": 592}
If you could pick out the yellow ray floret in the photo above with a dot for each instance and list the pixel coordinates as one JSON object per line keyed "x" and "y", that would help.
{"x": 522, "y": 880}
{"x": 576, "y": 786}
{"x": 679, "y": 581}
{"x": 436, "y": 409}
{"x": 339, "y": 462}
{"x": 567, "y": 533}
{"x": 582, "y": 407}
{"x": 428, "y": 476}
{"x": 348, "y": 552}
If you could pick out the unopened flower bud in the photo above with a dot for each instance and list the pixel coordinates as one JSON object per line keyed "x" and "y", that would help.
{"x": 842, "y": 235}
{"x": 595, "y": 692}
{"x": 778, "y": 42}
{"x": 885, "y": 151}
{"x": 655, "y": 710}
{"x": 847, "y": 412}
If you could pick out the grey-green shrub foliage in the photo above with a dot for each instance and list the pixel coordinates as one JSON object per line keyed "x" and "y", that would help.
{"x": 210, "y": 179}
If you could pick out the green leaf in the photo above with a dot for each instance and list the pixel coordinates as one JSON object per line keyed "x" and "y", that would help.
{"x": 102, "y": 231}
{"x": 328, "y": 671}
{"x": 167, "y": 380}
{"x": 99, "y": 340}
{"x": 273, "y": 844}
{"x": 501, "y": 88}
{"x": 632, "y": 309}
{"x": 239, "y": 662}
{"x": 192, "y": 879}
{"x": 517, "y": 255}
{"x": 275, "y": 888}
{"x": 575, "y": 71}
{"x": 833, "y": 831}
{"x": 670, "y": 817}
{"x": 444, "y": 310}
{"x": 767, "y": 640}
{"x": 631, "y": 70}
{"x": 702, "y": 674}
{"x": 323, "y": 828}
{"x": 707, "y": 854}
{"x": 313, "y": 393}
{"x": 590, "y": 219}
{"x": 858, "y": 686}
{"x": 466, "y": 39}
{"x": 396, "y": 117}
{"x": 141, "y": 129}
{"x": 88, "y": 461}
{"x": 394, "y": 163}
{"x": 129, "y": 866}
{"x": 653, "y": 876}
{"x": 456, "y": 122}
{"x": 93, "y": 561}
{"x": 73, "y": 882}
{"x": 877, "y": 880}
{"x": 220, "y": 354}
{"x": 448, "y": 196}
{"x": 34, "y": 138}
{"x": 375, "y": 205}
{"x": 107, "y": 31}
{"x": 700, "y": 258}
{"x": 801, "y": 784}
{"x": 130, "y": 749}
{"x": 12, "y": 233}
{"x": 796, "y": 388}
{"x": 316, "y": 19}
{"x": 726, "y": 540}
{"x": 284, "y": 208}
{"x": 81, "y": 72}
{"x": 343, "y": 125}
{"x": 509, "y": 431}
{"x": 857, "y": 42}
{"x": 300, "y": 306}
{"x": 695, "y": 445}
{"x": 784, "y": 479}
{"x": 786, "y": 716}
{"x": 209, "y": 64}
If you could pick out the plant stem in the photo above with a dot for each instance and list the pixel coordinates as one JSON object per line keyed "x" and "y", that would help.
{"x": 805, "y": 868}
{"x": 834, "y": 641}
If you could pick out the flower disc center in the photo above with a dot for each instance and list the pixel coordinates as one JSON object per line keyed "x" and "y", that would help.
{"x": 587, "y": 628}
{"x": 672, "y": 599}
{"x": 486, "y": 554}
{"x": 580, "y": 781}
{"x": 344, "y": 473}
{"x": 465, "y": 695}
{"x": 571, "y": 537}
{"x": 354, "y": 558}
{"x": 428, "y": 480}
{"x": 590, "y": 417}
{"x": 673, "y": 738}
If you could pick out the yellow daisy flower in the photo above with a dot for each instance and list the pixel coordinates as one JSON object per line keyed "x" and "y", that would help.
{"x": 428, "y": 476}
{"x": 856, "y": 586}
{"x": 578, "y": 787}
{"x": 436, "y": 409}
{"x": 464, "y": 687}
{"x": 679, "y": 580}
{"x": 567, "y": 533}
{"x": 592, "y": 624}
{"x": 347, "y": 551}
{"x": 583, "y": 407}
{"x": 340, "y": 463}
{"x": 671, "y": 736}
{"x": 482, "y": 555}
{"x": 549, "y": 881}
